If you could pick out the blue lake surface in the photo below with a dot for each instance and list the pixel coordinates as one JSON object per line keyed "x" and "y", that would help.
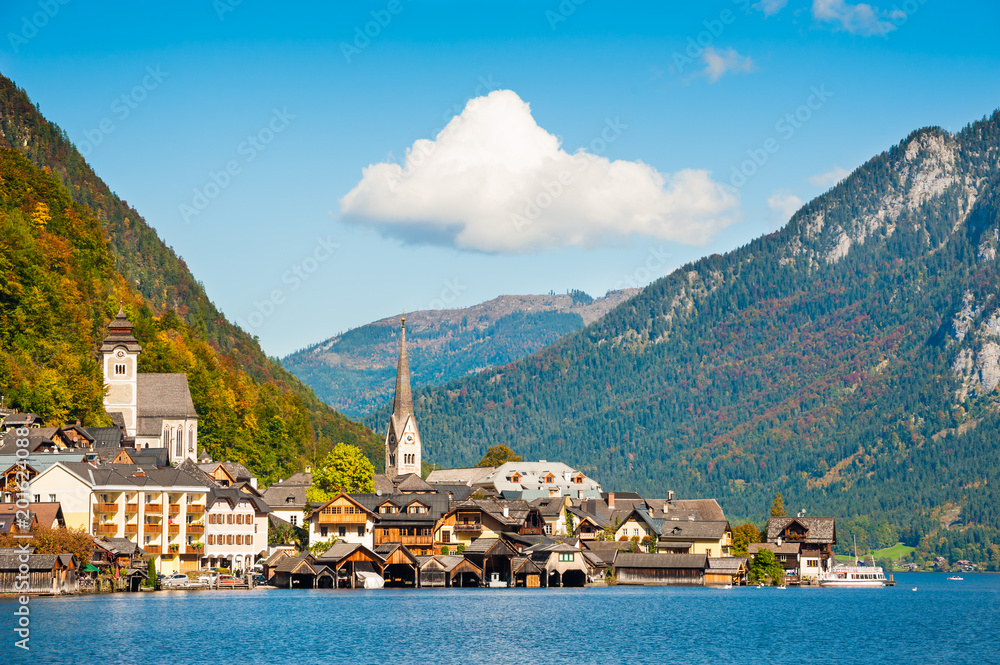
{"x": 940, "y": 622}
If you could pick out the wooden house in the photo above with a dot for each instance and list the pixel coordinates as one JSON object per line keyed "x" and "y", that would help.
{"x": 348, "y": 559}
{"x": 727, "y": 570}
{"x": 47, "y": 573}
{"x": 494, "y": 556}
{"x": 401, "y": 567}
{"x": 408, "y": 519}
{"x": 660, "y": 569}
{"x": 564, "y": 564}
{"x": 343, "y": 518}
{"x": 294, "y": 572}
{"x": 815, "y": 538}
{"x": 526, "y": 573}
{"x": 449, "y": 571}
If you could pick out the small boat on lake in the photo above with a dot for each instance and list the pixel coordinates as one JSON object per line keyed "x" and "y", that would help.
{"x": 958, "y": 578}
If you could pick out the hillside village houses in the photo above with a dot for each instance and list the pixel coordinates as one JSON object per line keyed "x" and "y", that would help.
{"x": 143, "y": 492}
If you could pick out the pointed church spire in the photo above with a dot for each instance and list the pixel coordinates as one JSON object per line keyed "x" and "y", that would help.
{"x": 402, "y": 404}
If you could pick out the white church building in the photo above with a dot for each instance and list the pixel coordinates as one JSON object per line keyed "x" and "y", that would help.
{"x": 156, "y": 409}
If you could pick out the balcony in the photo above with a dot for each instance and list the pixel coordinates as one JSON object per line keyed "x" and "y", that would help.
{"x": 531, "y": 531}
{"x": 174, "y": 529}
{"x": 153, "y": 508}
{"x": 195, "y": 529}
{"x": 469, "y": 527}
{"x": 131, "y": 507}
{"x": 194, "y": 508}
{"x": 105, "y": 529}
{"x": 357, "y": 518}
{"x": 106, "y": 508}
{"x": 131, "y": 529}
{"x": 175, "y": 508}
{"x": 151, "y": 529}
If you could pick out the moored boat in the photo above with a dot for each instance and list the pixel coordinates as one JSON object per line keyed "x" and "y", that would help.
{"x": 956, "y": 577}
{"x": 854, "y": 576}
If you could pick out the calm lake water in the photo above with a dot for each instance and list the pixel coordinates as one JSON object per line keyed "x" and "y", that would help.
{"x": 940, "y": 622}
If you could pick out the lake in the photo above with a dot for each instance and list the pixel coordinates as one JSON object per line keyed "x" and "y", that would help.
{"x": 940, "y": 622}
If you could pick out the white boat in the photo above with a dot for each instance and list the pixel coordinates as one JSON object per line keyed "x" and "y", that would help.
{"x": 854, "y": 576}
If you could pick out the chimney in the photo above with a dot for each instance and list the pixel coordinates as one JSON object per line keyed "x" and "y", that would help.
{"x": 611, "y": 500}
{"x": 665, "y": 511}
{"x": 309, "y": 469}
{"x": 506, "y": 511}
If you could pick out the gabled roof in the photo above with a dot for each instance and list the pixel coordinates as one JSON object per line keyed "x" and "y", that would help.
{"x": 687, "y": 530}
{"x": 726, "y": 564}
{"x": 523, "y": 564}
{"x": 277, "y": 497}
{"x": 784, "y": 548}
{"x": 465, "y": 476}
{"x": 342, "y": 495}
{"x": 411, "y": 482}
{"x": 275, "y": 558}
{"x": 490, "y": 547}
{"x": 341, "y": 550}
{"x": 817, "y": 529}
{"x": 21, "y": 419}
{"x": 164, "y": 396}
{"x": 294, "y": 565}
{"x": 386, "y": 550}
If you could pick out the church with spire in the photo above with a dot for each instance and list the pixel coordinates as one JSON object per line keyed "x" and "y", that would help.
{"x": 154, "y": 409}
{"x": 402, "y": 440}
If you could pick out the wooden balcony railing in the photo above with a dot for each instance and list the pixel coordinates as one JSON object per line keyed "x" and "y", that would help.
{"x": 152, "y": 529}
{"x": 131, "y": 507}
{"x": 105, "y": 529}
{"x": 175, "y": 508}
{"x": 195, "y": 528}
{"x": 196, "y": 508}
{"x": 153, "y": 508}
{"x": 106, "y": 508}
{"x": 131, "y": 528}
{"x": 474, "y": 527}
{"x": 343, "y": 519}
{"x": 531, "y": 531}
{"x": 174, "y": 529}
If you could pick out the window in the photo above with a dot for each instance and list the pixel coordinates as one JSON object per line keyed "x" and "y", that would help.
{"x": 446, "y": 536}
{"x": 191, "y": 439}
{"x": 229, "y": 519}
{"x": 708, "y": 551}
{"x": 166, "y": 438}
{"x": 289, "y": 499}
{"x": 361, "y": 531}
{"x": 38, "y": 498}
{"x": 294, "y": 520}
{"x": 548, "y": 529}
{"x": 52, "y": 498}
{"x": 342, "y": 531}
{"x": 119, "y": 369}
{"x": 323, "y": 531}
{"x": 211, "y": 540}
{"x": 179, "y": 443}
{"x": 567, "y": 556}
{"x": 147, "y": 539}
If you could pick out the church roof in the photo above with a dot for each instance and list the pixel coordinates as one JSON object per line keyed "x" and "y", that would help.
{"x": 402, "y": 403}
{"x": 164, "y": 396}
{"x": 120, "y": 334}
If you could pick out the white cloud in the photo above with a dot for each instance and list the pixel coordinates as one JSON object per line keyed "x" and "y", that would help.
{"x": 771, "y": 7}
{"x": 494, "y": 181}
{"x": 830, "y": 178}
{"x": 859, "y": 19}
{"x": 784, "y": 204}
{"x": 718, "y": 63}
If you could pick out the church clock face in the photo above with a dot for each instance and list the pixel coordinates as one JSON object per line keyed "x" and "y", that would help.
{"x": 409, "y": 438}
{"x": 120, "y": 354}
{"x": 392, "y": 439}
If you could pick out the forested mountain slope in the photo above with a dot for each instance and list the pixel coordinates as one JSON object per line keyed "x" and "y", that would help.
{"x": 252, "y": 409}
{"x": 849, "y": 360}
{"x": 355, "y": 372}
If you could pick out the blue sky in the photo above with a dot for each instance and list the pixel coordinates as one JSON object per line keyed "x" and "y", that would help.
{"x": 165, "y": 99}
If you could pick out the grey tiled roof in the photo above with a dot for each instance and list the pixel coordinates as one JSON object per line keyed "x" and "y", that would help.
{"x": 726, "y": 564}
{"x": 164, "y": 396}
{"x": 277, "y": 496}
{"x": 631, "y": 560}
{"x": 818, "y": 529}
{"x": 687, "y": 530}
{"x": 412, "y": 483}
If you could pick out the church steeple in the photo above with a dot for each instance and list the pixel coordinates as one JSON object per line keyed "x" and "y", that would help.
{"x": 120, "y": 357}
{"x": 402, "y": 440}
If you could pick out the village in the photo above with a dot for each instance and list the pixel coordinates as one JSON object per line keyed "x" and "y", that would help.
{"x": 161, "y": 514}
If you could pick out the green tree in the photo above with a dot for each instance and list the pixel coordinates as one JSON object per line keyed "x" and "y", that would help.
{"x": 764, "y": 566}
{"x": 778, "y": 506}
{"x": 570, "y": 523}
{"x": 649, "y": 542}
{"x": 497, "y": 455}
{"x": 150, "y": 574}
{"x": 743, "y": 535}
{"x": 344, "y": 469}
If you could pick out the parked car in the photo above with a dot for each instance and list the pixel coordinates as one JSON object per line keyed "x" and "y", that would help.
{"x": 176, "y": 580}
{"x": 207, "y": 579}
{"x": 228, "y": 579}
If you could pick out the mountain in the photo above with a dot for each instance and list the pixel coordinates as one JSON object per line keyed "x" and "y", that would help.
{"x": 72, "y": 251}
{"x": 848, "y": 360}
{"x": 355, "y": 372}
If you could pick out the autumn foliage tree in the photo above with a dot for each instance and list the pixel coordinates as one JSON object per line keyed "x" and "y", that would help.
{"x": 497, "y": 455}
{"x": 743, "y": 535}
{"x": 60, "y": 540}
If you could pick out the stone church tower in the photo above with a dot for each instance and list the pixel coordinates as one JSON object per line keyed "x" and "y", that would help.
{"x": 402, "y": 441}
{"x": 120, "y": 357}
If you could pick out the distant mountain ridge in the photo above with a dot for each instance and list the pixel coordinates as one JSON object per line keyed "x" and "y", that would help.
{"x": 354, "y": 372}
{"x": 849, "y": 360}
